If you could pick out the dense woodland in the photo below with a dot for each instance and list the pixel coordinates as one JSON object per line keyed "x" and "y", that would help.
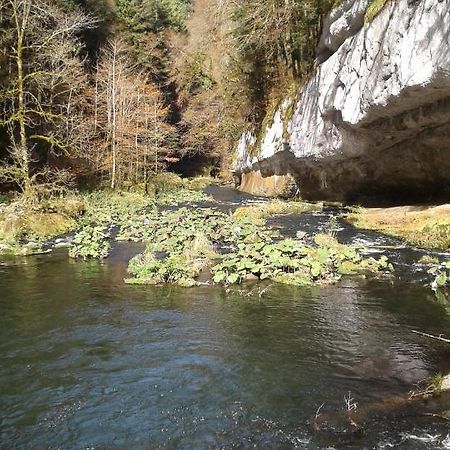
{"x": 111, "y": 92}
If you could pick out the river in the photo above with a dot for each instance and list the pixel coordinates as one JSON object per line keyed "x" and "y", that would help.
{"x": 88, "y": 362}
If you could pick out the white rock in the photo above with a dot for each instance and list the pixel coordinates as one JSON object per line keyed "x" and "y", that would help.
{"x": 377, "y": 108}
{"x": 445, "y": 383}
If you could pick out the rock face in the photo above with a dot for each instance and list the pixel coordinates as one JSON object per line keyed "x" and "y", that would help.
{"x": 374, "y": 118}
{"x": 445, "y": 383}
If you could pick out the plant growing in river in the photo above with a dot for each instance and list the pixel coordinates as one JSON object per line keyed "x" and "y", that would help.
{"x": 182, "y": 195}
{"x": 290, "y": 261}
{"x": 182, "y": 265}
{"x": 441, "y": 273}
{"x": 332, "y": 226}
{"x": 114, "y": 208}
{"x": 90, "y": 242}
{"x": 182, "y": 243}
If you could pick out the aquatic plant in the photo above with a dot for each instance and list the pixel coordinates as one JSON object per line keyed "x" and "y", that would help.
{"x": 180, "y": 266}
{"x": 290, "y": 261}
{"x": 90, "y": 242}
{"x": 441, "y": 273}
{"x": 182, "y": 195}
{"x": 185, "y": 242}
{"x": 114, "y": 207}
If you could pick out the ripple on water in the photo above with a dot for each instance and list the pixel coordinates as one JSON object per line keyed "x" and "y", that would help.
{"x": 88, "y": 362}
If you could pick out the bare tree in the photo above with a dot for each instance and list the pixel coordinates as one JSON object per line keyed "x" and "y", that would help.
{"x": 130, "y": 115}
{"x": 41, "y": 49}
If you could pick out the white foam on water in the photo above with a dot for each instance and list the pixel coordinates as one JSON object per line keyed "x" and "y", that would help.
{"x": 446, "y": 442}
{"x": 426, "y": 438}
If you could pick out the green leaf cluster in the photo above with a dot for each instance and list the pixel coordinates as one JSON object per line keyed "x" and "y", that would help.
{"x": 154, "y": 15}
{"x": 110, "y": 208}
{"x": 441, "y": 273}
{"x": 291, "y": 261}
{"x": 90, "y": 242}
{"x": 182, "y": 195}
{"x": 184, "y": 243}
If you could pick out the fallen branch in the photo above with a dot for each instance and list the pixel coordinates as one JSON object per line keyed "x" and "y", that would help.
{"x": 439, "y": 338}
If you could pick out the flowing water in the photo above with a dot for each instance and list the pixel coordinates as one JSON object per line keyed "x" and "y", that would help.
{"x": 90, "y": 363}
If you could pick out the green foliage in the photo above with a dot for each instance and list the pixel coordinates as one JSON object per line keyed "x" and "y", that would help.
{"x": 90, "y": 242}
{"x": 171, "y": 189}
{"x": 114, "y": 208}
{"x": 182, "y": 196}
{"x": 180, "y": 247}
{"x": 133, "y": 213}
{"x": 184, "y": 262}
{"x": 291, "y": 261}
{"x": 154, "y": 15}
{"x": 196, "y": 75}
{"x": 147, "y": 269}
{"x": 183, "y": 243}
{"x": 273, "y": 38}
{"x": 441, "y": 273}
{"x": 373, "y": 9}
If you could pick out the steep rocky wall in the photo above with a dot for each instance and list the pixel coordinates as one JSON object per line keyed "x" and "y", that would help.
{"x": 374, "y": 118}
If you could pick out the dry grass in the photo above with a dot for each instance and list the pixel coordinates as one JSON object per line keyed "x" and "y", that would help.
{"x": 259, "y": 212}
{"x": 427, "y": 227}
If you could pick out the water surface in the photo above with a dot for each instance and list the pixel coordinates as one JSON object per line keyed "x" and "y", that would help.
{"x": 88, "y": 362}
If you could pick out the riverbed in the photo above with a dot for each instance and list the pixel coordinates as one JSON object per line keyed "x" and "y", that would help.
{"x": 89, "y": 362}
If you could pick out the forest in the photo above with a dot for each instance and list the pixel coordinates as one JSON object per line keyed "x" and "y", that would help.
{"x": 109, "y": 93}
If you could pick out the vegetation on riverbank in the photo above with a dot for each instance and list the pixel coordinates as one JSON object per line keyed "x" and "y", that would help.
{"x": 25, "y": 228}
{"x": 191, "y": 245}
{"x": 427, "y": 227}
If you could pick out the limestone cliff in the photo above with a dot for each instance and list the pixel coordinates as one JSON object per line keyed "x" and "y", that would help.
{"x": 374, "y": 117}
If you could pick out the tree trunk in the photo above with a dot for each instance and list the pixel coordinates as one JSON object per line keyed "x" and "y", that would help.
{"x": 113, "y": 120}
{"x": 23, "y": 157}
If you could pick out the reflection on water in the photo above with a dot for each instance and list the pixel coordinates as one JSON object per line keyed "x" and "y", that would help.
{"x": 88, "y": 362}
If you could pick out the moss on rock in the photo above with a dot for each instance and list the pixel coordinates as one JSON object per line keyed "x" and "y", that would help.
{"x": 373, "y": 9}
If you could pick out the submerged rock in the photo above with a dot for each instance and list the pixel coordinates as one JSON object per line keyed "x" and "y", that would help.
{"x": 373, "y": 117}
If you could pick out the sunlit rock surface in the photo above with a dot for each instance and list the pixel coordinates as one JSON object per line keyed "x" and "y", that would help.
{"x": 374, "y": 118}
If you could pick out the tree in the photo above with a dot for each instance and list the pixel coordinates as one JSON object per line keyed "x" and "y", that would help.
{"x": 274, "y": 45}
{"x": 45, "y": 76}
{"x": 130, "y": 119}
